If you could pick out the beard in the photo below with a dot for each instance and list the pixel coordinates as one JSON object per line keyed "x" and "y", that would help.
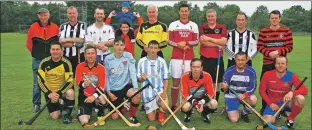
{"x": 100, "y": 20}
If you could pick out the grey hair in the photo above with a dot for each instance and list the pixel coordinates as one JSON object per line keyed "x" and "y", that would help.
{"x": 152, "y": 5}
{"x": 211, "y": 11}
{"x": 72, "y": 7}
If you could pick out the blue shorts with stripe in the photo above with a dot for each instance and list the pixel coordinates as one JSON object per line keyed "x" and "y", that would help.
{"x": 269, "y": 111}
{"x": 232, "y": 104}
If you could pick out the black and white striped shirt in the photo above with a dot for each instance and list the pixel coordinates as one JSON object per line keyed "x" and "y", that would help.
{"x": 245, "y": 41}
{"x": 76, "y": 31}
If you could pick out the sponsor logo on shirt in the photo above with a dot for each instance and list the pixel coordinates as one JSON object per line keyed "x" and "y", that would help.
{"x": 273, "y": 81}
{"x": 118, "y": 70}
{"x": 184, "y": 34}
{"x": 275, "y": 44}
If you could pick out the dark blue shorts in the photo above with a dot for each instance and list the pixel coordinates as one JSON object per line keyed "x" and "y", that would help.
{"x": 269, "y": 111}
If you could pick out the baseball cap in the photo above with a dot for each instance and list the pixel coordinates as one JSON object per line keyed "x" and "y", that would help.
{"x": 43, "y": 10}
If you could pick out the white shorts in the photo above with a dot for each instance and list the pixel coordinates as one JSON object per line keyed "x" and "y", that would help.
{"x": 152, "y": 105}
{"x": 175, "y": 67}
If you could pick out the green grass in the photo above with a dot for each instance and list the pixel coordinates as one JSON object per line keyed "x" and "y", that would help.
{"x": 16, "y": 91}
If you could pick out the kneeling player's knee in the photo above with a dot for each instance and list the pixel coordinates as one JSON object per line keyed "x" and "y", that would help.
{"x": 84, "y": 119}
{"x": 115, "y": 116}
{"x": 136, "y": 99}
{"x": 234, "y": 119}
{"x": 151, "y": 118}
{"x": 299, "y": 99}
{"x": 70, "y": 94}
{"x": 55, "y": 115}
{"x": 212, "y": 104}
{"x": 186, "y": 107}
{"x": 269, "y": 119}
{"x": 253, "y": 100}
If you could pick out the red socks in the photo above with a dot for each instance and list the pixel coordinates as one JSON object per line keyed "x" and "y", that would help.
{"x": 295, "y": 110}
{"x": 174, "y": 95}
{"x": 133, "y": 109}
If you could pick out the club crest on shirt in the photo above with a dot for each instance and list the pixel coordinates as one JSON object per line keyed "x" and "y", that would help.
{"x": 217, "y": 30}
{"x": 246, "y": 37}
{"x": 281, "y": 35}
{"x": 124, "y": 62}
{"x": 286, "y": 84}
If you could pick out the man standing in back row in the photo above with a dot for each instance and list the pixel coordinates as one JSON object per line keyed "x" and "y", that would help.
{"x": 273, "y": 41}
{"x": 39, "y": 37}
{"x": 152, "y": 30}
{"x": 100, "y": 35}
{"x": 183, "y": 35}
{"x": 241, "y": 39}
{"x": 213, "y": 38}
{"x": 72, "y": 35}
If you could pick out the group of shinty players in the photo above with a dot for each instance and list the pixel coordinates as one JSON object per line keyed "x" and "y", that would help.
{"x": 105, "y": 79}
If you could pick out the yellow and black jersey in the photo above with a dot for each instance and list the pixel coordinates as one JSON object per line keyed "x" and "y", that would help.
{"x": 147, "y": 32}
{"x": 51, "y": 75}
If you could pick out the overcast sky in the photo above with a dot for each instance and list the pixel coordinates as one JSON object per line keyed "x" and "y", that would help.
{"x": 246, "y": 6}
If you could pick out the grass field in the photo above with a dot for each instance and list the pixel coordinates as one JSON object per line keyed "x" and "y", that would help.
{"x": 16, "y": 91}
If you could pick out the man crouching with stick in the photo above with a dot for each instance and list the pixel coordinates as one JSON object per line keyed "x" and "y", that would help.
{"x": 88, "y": 95}
{"x": 202, "y": 100}
{"x": 155, "y": 68}
{"x": 52, "y": 72}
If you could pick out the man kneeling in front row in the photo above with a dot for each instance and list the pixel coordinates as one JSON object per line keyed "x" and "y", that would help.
{"x": 202, "y": 99}
{"x": 240, "y": 78}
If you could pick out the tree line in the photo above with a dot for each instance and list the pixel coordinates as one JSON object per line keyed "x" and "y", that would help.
{"x": 14, "y": 14}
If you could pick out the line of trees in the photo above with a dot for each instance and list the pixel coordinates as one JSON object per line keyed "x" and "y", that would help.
{"x": 14, "y": 14}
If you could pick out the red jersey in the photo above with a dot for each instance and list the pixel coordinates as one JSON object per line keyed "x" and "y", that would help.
{"x": 179, "y": 31}
{"x": 270, "y": 40}
{"x": 97, "y": 70}
{"x": 188, "y": 83}
{"x": 277, "y": 87}
{"x": 217, "y": 32}
{"x": 129, "y": 44}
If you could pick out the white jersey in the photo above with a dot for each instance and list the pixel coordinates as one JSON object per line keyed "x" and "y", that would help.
{"x": 96, "y": 35}
{"x": 156, "y": 71}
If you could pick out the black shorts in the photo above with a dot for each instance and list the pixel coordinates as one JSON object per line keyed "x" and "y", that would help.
{"x": 266, "y": 68}
{"x": 210, "y": 66}
{"x": 121, "y": 94}
{"x": 74, "y": 62}
{"x": 82, "y": 57}
{"x": 85, "y": 108}
{"x": 52, "y": 107}
{"x": 232, "y": 62}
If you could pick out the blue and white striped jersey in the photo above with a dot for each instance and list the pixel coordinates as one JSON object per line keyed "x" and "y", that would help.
{"x": 120, "y": 71}
{"x": 240, "y": 82}
{"x": 156, "y": 71}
